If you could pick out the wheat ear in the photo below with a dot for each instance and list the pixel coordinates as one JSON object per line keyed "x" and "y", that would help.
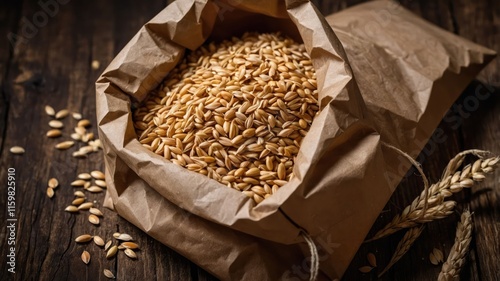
{"x": 403, "y": 246}
{"x": 456, "y": 259}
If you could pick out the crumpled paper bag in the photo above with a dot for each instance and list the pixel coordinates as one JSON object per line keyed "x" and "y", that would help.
{"x": 383, "y": 86}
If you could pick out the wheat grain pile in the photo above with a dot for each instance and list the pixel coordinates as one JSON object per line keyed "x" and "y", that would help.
{"x": 235, "y": 111}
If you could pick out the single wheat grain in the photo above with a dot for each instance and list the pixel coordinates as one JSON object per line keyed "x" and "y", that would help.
{"x": 98, "y": 241}
{"x": 62, "y": 114}
{"x": 83, "y": 238}
{"x": 50, "y": 110}
{"x": 85, "y": 257}
{"x": 109, "y": 274}
{"x": 17, "y": 150}
{"x": 124, "y": 237}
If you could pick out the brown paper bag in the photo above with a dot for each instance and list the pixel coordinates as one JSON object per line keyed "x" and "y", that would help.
{"x": 343, "y": 174}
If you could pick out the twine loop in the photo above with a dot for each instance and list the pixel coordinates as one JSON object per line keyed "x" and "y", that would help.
{"x": 314, "y": 256}
{"x": 421, "y": 172}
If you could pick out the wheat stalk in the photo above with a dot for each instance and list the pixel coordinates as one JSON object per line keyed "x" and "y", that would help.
{"x": 451, "y": 182}
{"x": 456, "y": 258}
{"x": 403, "y": 246}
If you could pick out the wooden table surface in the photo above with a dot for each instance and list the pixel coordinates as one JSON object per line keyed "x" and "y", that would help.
{"x": 51, "y": 65}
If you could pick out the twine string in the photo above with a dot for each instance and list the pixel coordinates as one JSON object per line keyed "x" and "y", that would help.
{"x": 419, "y": 169}
{"x": 314, "y": 256}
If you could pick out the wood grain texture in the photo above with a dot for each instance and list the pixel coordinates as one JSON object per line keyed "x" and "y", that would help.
{"x": 9, "y": 17}
{"x": 480, "y": 22}
{"x": 52, "y": 66}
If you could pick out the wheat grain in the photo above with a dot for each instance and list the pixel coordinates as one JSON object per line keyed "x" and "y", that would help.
{"x": 56, "y": 124}
{"x": 98, "y": 241}
{"x": 62, "y": 114}
{"x": 80, "y": 131}
{"x": 98, "y": 175}
{"x": 64, "y": 145}
{"x": 109, "y": 274}
{"x": 365, "y": 269}
{"x": 83, "y": 238}
{"x": 86, "y": 206}
{"x": 54, "y": 133}
{"x": 100, "y": 183}
{"x": 433, "y": 259}
{"x": 71, "y": 209}
{"x": 95, "y": 64}
{"x": 108, "y": 244}
{"x": 76, "y": 136}
{"x": 17, "y": 150}
{"x": 94, "y": 189}
{"x": 372, "y": 259}
{"x": 93, "y": 219}
{"x": 124, "y": 237}
{"x": 76, "y": 115}
{"x": 86, "y": 149}
{"x": 436, "y": 256}
{"x": 79, "y": 194}
{"x": 85, "y": 257}
{"x": 78, "y": 183}
{"x": 50, "y": 110}
{"x": 130, "y": 253}
{"x": 130, "y": 245}
{"x": 78, "y": 201}
{"x": 53, "y": 182}
{"x": 111, "y": 252}
{"x": 50, "y": 192}
{"x": 78, "y": 154}
{"x": 84, "y": 176}
{"x": 96, "y": 212}
{"x": 96, "y": 144}
{"x": 87, "y": 137}
{"x": 84, "y": 123}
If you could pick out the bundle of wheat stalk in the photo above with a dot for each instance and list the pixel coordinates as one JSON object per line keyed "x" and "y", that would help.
{"x": 452, "y": 181}
{"x": 431, "y": 206}
{"x": 235, "y": 111}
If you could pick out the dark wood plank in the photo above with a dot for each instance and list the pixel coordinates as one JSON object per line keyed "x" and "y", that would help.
{"x": 45, "y": 232}
{"x": 479, "y": 22}
{"x": 9, "y": 18}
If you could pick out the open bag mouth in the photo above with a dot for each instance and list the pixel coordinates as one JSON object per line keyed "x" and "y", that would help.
{"x": 341, "y": 109}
